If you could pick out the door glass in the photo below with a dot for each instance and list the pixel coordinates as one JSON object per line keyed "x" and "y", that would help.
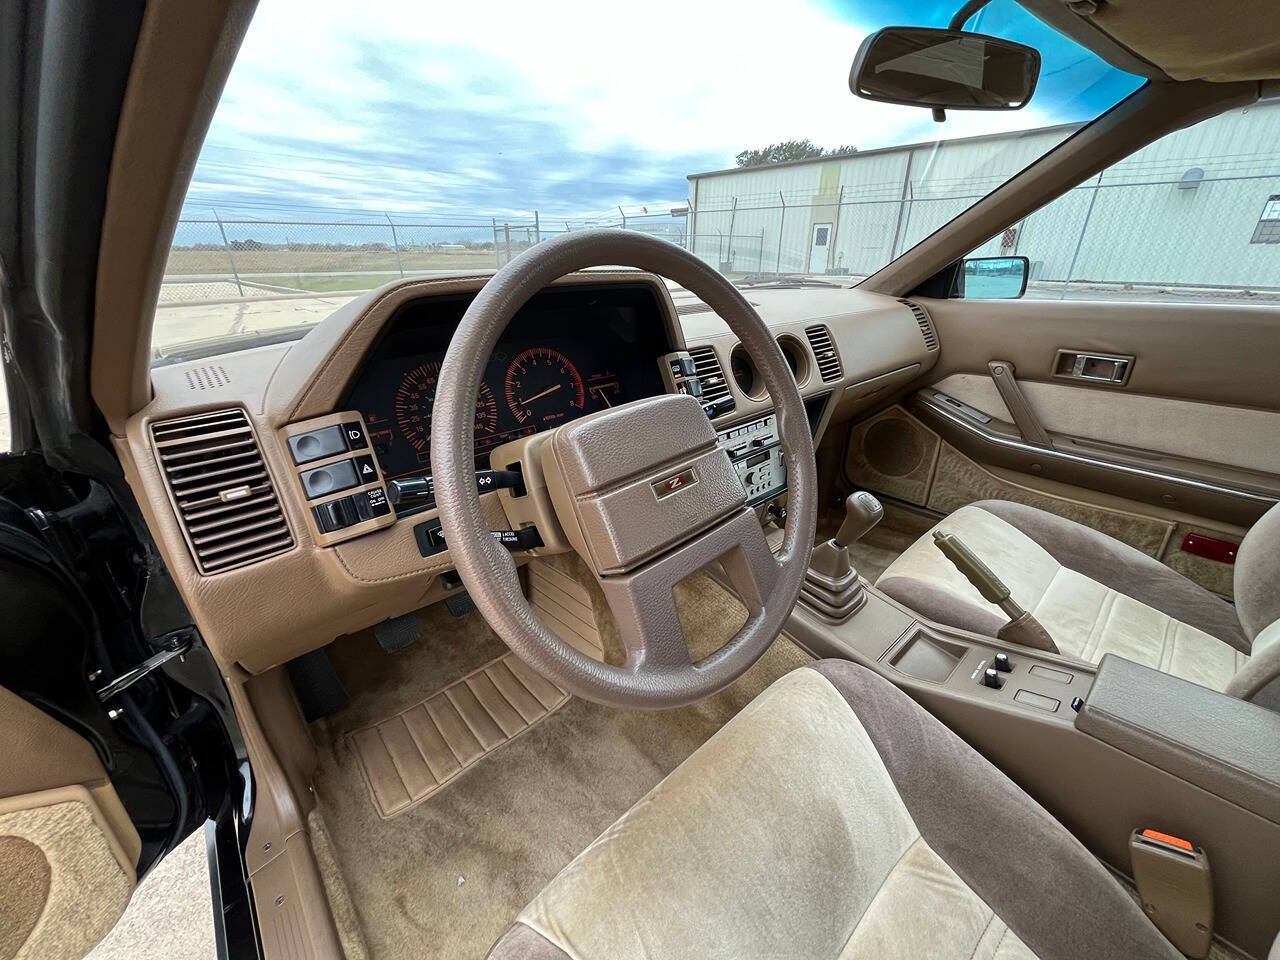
{"x": 1193, "y": 217}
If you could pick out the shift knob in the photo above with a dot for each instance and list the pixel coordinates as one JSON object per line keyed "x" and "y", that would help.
{"x": 862, "y": 512}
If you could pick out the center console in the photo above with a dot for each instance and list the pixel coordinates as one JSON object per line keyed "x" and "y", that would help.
{"x": 1109, "y": 750}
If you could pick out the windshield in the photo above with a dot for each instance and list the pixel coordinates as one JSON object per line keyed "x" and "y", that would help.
{"x": 353, "y": 147}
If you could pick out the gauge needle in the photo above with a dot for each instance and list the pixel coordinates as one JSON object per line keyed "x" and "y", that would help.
{"x": 539, "y": 396}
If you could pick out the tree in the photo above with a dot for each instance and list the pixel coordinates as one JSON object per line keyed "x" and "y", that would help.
{"x": 790, "y": 150}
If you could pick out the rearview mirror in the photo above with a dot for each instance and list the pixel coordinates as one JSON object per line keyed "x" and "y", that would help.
{"x": 944, "y": 69}
{"x": 992, "y": 278}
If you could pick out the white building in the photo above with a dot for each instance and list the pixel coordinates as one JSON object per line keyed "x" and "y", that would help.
{"x": 1200, "y": 207}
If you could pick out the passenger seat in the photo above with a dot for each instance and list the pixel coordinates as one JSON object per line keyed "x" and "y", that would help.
{"x": 1096, "y": 595}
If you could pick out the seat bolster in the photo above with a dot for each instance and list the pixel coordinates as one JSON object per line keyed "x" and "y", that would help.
{"x": 1257, "y": 573}
{"x": 940, "y": 605}
{"x": 1053, "y": 894}
{"x": 1124, "y": 569}
{"x": 522, "y": 942}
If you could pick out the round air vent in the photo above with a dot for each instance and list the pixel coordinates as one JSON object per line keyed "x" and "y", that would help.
{"x": 797, "y": 358}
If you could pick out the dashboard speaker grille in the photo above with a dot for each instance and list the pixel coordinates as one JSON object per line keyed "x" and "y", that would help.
{"x": 824, "y": 351}
{"x": 220, "y": 489}
{"x": 711, "y": 375}
{"x": 926, "y": 325}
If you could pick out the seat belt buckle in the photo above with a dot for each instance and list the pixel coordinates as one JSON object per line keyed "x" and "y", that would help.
{"x": 1175, "y": 887}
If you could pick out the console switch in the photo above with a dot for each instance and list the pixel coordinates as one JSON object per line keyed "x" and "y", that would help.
{"x": 329, "y": 479}
{"x": 991, "y": 678}
{"x": 317, "y": 444}
{"x": 335, "y": 515}
{"x": 1001, "y": 663}
{"x": 353, "y": 433}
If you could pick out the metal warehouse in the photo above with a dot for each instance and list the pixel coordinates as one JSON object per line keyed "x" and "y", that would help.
{"x": 1201, "y": 207}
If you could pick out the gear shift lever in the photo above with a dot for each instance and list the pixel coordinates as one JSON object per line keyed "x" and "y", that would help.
{"x": 831, "y": 584}
{"x": 862, "y": 511}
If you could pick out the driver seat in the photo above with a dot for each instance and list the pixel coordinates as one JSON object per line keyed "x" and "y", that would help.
{"x": 834, "y": 818}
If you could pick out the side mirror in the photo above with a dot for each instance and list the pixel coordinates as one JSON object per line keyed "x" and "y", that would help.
{"x": 992, "y": 278}
{"x": 944, "y": 69}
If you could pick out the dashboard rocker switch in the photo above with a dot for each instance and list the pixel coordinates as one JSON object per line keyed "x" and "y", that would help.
{"x": 1001, "y": 662}
{"x": 991, "y": 678}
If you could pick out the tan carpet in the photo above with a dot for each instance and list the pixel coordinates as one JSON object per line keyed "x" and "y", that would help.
{"x": 445, "y": 878}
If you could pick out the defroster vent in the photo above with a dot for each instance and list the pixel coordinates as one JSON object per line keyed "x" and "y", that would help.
{"x": 824, "y": 351}
{"x": 926, "y": 325}
{"x": 220, "y": 489}
{"x": 711, "y": 375}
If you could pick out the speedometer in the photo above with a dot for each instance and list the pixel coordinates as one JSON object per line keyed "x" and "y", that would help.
{"x": 415, "y": 399}
{"x": 544, "y": 387}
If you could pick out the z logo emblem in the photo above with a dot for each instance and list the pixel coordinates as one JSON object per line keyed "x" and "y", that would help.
{"x": 674, "y": 484}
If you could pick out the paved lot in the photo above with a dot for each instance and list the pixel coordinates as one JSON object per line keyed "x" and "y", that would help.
{"x": 171, "y": 914}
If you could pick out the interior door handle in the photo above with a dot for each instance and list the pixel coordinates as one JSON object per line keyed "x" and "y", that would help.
{"x": 1094, "y": 367}
{"x": 1024, "y": 418}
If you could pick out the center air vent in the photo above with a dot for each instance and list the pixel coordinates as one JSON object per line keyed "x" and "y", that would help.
{"x": 715, "y": 389}
{"x": 220, "y": 489}
{"x": 926, "y": 325}
{"x": 824, "y": 351}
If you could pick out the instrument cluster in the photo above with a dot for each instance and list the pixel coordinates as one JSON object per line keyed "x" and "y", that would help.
{"x": 568, "y": 352}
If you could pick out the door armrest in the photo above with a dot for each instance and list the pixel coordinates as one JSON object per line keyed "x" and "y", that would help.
{"x": 1228, "y": 747}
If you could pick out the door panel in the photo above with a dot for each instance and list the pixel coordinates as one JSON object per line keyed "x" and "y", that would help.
{"x": 68, "y": 851}
{"x": 1186, "y": 440}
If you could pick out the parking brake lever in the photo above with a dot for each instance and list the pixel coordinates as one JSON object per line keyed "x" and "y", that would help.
{"x": 412, "y": 491}
{"x": 1022, "y": 627}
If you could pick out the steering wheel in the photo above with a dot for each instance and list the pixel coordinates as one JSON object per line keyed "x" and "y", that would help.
{"x": 642, "y": 490}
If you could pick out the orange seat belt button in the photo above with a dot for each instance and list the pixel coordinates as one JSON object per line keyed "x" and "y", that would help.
{"x": 1171, "y": 840}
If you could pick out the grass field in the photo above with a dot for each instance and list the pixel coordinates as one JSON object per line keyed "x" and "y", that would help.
{"x": 284, "y": 263}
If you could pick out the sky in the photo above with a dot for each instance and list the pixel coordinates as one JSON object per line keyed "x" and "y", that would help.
{"x": 467, "y": 111}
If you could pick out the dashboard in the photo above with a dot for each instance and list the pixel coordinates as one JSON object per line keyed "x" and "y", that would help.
{"x": 369, "y": 365}
{"x": 568, "y": 352}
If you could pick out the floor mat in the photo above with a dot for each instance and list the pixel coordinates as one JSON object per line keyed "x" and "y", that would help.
{"x": 412, "y": 755}
{"x": 446, "y": 876}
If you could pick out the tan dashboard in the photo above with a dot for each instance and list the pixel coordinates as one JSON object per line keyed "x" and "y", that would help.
{"x": 266, "y": 583}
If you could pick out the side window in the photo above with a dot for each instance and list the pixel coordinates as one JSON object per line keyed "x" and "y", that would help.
{"x": 1193, "y": 217}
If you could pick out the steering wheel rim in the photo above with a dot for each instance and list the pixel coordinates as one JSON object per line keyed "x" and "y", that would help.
{"x": 488, "y": 570}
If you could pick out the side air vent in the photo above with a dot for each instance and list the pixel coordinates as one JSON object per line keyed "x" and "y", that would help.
{"x": 715, "y": 389}
{"x": 926, "y": 325}
{"x": 220, "y": 489}
{"x": 824, "y": 351}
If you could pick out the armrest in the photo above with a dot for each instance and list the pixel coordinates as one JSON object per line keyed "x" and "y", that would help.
{"x": 1225, "y": 746}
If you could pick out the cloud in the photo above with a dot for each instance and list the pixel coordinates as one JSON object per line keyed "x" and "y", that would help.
{"x": 503, "y": 108}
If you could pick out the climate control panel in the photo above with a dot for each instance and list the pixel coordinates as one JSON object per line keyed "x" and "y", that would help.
{"x": 756, "y": 453}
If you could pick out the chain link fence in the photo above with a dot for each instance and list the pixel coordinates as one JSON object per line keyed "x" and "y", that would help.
{"x": 1124, "y": 234}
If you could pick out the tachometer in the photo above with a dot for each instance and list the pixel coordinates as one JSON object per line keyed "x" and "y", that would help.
{"x": 415, "y": 398}
{"x": 544, "y": 387}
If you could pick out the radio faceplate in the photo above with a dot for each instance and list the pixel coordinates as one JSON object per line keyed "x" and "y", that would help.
{"x": 756, "y": 453}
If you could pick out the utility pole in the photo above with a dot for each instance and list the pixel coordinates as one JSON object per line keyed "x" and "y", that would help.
{"x": 777, "y": 267}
